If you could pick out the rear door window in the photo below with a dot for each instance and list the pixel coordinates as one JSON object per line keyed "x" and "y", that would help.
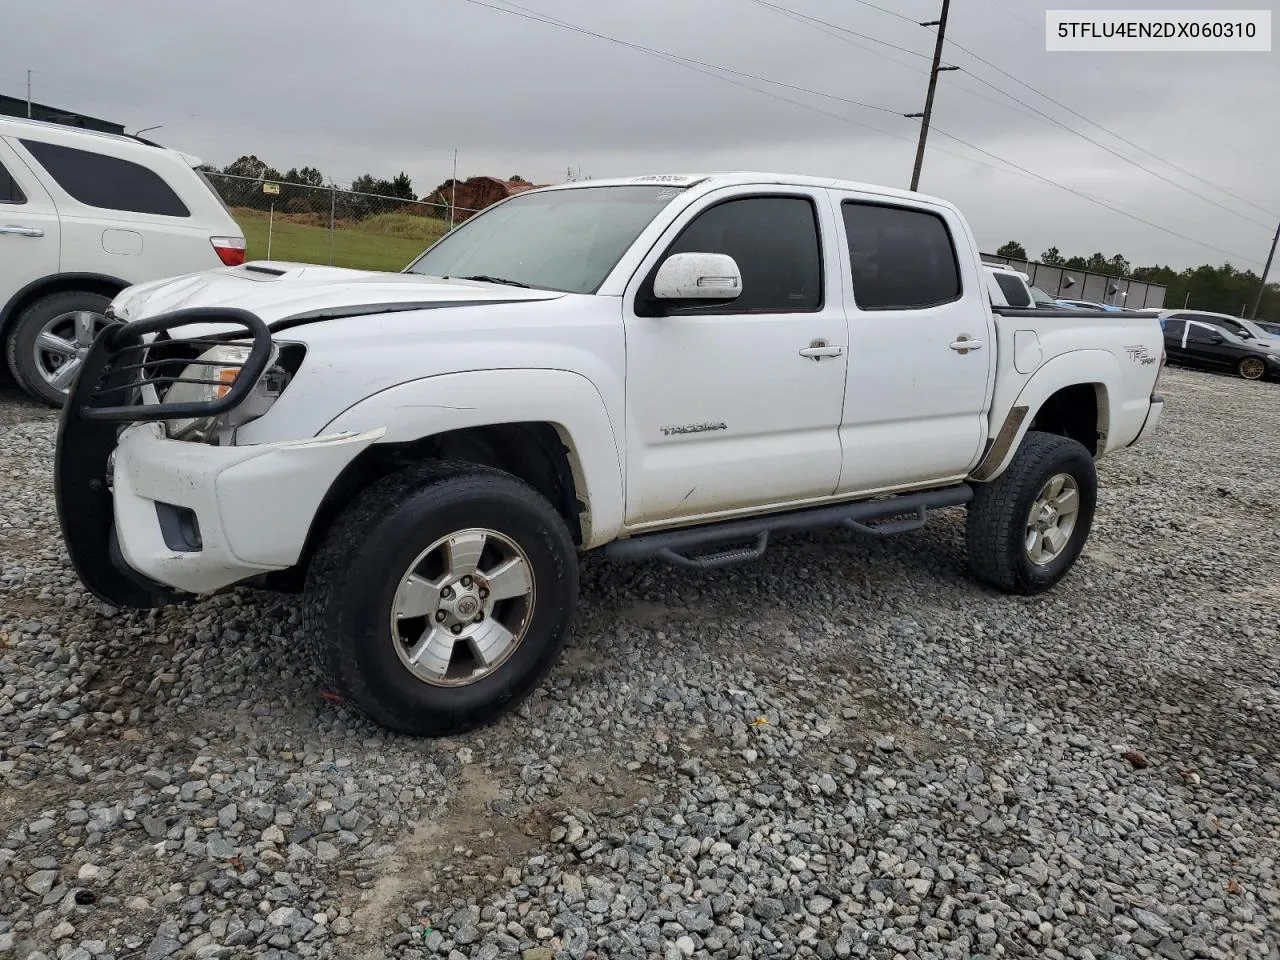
{"x": 1201, "y": 333}
{"x": 900, "y": 258}
{"x": 10, "y": 192}
{"x": 109, "y": 183}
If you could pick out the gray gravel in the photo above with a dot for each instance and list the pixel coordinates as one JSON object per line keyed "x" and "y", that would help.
{"x": 848, "y": 749}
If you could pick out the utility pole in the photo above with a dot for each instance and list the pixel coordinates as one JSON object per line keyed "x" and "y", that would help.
{"x": 941, "y": 24}
{"x": 453, "y": 201}
{"x": 28, "y": 94}
{"x": 1262, "y": 284}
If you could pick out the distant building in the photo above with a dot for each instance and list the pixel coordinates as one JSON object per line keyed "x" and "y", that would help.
{"x": 474, "y": 194}
{"x": 17, "y": 107}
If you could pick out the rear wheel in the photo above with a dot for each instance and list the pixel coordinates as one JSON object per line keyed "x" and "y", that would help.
{"x": 1026, "y": 529}
{"x": 50, "y": 339}
{"x": 441, "y": 597}
{"x": 1251, "y": 368}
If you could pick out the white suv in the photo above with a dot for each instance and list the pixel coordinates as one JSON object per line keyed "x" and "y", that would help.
{"x": 82, "y": 216}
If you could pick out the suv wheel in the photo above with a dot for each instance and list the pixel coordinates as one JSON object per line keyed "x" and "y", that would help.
{"x": 50, "y": 339}
{"x": 441, "y": 597}
{"x": 1026, "y": 528}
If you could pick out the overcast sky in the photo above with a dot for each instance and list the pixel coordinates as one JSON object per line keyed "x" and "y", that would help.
{"x": 390, "y": 85}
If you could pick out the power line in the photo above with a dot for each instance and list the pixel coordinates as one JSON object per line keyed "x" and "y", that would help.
{"x": 892, "y": 13}
{"x": 1094, "y": 200}
{"x": 528, "y": 13}
{"x": 842, "y": 37}
{"x": 819, "y": 24}
{"x": 835, "y": 26}
{"x": 1112, "y": 133}
{"x": 1036, "y": 29}
{"x": 1115, "y": 153}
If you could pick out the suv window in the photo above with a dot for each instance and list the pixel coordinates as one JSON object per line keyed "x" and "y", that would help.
{"x": 775, "y": 243}
{"x": 1173, "y": 328}
{"x": 9, "y": 190}
{"x": 901, "y": 259}
{"x": 1015, "y": 292}
{"x": 107, "y": 182}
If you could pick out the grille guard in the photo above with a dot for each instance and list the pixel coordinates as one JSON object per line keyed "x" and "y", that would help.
{"x": 107, "y": 395}
{"x": 117, "y": 367}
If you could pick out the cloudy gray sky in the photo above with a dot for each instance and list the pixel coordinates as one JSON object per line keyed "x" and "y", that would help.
{"x": 390, "y": 85}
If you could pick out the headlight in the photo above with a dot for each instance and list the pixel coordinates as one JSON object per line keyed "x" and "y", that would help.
{"x": 210, "y": 378}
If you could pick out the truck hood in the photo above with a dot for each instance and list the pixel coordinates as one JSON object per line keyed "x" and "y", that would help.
{"x": 275, "y": 291}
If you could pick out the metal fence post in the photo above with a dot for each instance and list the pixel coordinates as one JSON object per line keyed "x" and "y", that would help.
{"x": 333, "y": 204}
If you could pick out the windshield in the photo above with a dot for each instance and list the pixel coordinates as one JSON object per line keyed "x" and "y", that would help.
{"x": 567, "y": 240}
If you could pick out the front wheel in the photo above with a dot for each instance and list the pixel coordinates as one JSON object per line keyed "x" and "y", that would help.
{"x": 441, "y": 597}
{"x": 1251, "y": 368}
{"x": 1026, "y": 528}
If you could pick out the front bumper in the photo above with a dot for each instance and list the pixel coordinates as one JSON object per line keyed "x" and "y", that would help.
{"x": 252, "y": 506}
{"x": 148, "y": 520}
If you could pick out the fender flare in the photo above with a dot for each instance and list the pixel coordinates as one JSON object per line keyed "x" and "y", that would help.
{"x": 60, "y": 280}
{"x": 1098, "y": 368}
{"x": 568, "y": 401}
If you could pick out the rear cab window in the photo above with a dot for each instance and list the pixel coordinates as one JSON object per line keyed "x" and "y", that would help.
{"x": 900, "y": 258}
{"x": 105, "y": 182}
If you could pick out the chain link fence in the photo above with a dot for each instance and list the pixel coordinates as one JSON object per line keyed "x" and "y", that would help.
{"x": 314, "y": 223}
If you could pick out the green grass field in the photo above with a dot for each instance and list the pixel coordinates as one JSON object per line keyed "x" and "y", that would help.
{"x": 385, "y": 242}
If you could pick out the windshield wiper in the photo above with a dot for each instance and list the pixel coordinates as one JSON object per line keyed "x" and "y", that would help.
{"x": 484, "y": 278}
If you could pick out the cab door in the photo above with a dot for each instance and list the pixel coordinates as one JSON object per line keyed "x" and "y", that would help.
{"x": 922, "y": 345}
{"x": 737, "y": 406}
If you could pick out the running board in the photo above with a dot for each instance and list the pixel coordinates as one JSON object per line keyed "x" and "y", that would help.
{"x": 739, "y": 541}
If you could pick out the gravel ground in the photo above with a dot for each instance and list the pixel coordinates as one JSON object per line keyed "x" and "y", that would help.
{"x": 848, "y": 749}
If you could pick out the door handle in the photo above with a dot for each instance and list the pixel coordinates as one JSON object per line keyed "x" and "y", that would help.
{"x": 15, "y": 231}
{"x": 964, "y": 343}
{"x": 820, "y": 349}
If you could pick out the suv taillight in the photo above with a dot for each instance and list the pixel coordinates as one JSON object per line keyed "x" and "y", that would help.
{"x": 230, "y": 250}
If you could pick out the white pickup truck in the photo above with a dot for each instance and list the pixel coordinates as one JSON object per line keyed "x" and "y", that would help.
{"x": 670, "y": 367}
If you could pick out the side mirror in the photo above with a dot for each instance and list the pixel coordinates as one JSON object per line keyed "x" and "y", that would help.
{"x": 698, "y": 276}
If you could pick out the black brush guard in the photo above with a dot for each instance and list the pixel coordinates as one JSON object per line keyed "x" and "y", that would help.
{"x": 108, "y": 395}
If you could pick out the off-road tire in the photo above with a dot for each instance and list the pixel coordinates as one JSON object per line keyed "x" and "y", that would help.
{"x": 996, "y": 527}
{"x": 20, "y": 346}
{"x": 354, "y": 573}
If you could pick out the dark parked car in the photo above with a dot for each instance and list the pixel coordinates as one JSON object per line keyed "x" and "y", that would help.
{"x": 1197, "y": 344}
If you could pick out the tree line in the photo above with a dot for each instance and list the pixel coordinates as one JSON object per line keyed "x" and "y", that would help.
{"x": 299, "y": 194}
{"x": 1221, "y": 289}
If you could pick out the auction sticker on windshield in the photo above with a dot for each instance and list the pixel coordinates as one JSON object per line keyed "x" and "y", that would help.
{"x": 1146, "y": 31}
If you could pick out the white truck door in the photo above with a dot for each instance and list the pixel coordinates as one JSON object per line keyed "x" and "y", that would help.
{"x": 922, "y": 345}
{"x": 737, "y": 406}
{"x": 29, "y": 230}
